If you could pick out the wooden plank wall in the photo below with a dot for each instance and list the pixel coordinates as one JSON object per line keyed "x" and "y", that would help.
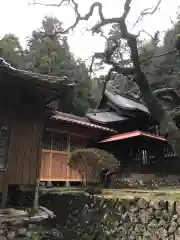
{"x": 78, "y": 130}
{"x": 2, "y": 175}
{"x": 54, "y": 167}
{"x": 23, "y": 153}
{"x": 54, "y": 162}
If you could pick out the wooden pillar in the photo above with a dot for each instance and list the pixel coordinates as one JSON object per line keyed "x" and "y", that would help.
{"x": 4, "y": 196}
{"x": 50, "y": 156}
{"x": 68, "y": 151}
{"x": 36, "y": 196}
{"x": 39, "y": 152}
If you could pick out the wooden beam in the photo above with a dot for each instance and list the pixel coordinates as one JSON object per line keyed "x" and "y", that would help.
{"x": 4, "y": 196}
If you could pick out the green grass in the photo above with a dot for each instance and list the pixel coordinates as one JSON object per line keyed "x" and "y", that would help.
{"x": 64, "y": 190}
{"x": 163, "y": 194}
{"x": 159, "y": 194}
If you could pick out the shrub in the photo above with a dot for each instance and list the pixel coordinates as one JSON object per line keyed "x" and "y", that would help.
{"x": 88, "y": 162}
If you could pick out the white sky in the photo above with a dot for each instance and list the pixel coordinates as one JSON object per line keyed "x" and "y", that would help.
{"x": 20, "y": 18}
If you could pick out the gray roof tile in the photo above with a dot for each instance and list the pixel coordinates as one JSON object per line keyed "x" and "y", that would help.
{"x": 105, "y": 117}
{"x": 125, "y": 103}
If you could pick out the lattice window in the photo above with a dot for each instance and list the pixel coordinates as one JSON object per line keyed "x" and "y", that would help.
{"x": 168, "y": 153}
{"x": 144, "y": 157}
{"x": 55, "y": 141}
{"x": 47, "y": 140}
{"x": 137, "y": 157}
{"x": 77, "y": 142}
{"x": 60, "y": 142}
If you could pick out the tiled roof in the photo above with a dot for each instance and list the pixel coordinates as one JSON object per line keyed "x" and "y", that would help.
{"x": 47, "y": 80}
{"x": 125, "y": 103}
{"x": 79, "y": 120}
{"x": 105, "y": 116}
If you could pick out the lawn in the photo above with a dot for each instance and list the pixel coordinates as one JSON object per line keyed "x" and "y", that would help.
{"x": 163, "y": 194}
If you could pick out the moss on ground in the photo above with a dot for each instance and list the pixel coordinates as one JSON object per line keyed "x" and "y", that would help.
{"x": 161, "y": 194}
{"x": 63, "y": 190}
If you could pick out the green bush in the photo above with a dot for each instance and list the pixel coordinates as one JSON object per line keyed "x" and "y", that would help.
{"x": 88, "y": 162}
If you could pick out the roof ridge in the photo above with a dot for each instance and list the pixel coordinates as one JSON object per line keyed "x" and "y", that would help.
{"x": 43, "y": 77}
{"x": 85, "y": 119}
{"x": 65, "y": 118}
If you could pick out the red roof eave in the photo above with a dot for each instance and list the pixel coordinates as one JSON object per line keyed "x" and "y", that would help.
{"x": 131, "y": 135}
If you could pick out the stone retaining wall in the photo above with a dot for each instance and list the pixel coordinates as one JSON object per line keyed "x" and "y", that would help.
{"x": 28, "y": 232}
{"x": 128, "y": 219}
{"x": 145, "y": 181}
{"x": 83, "y": 217}
{"x": 21, "y": 224}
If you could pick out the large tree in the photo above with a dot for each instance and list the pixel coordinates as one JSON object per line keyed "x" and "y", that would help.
{"x": 162, "y": 70}
{"x": 155, "y": 106}
{"x": 11, "y": 50}
{"x": 48, "y": 52}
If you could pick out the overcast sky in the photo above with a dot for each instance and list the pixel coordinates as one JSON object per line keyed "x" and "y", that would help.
{"x": 20, "y": 18}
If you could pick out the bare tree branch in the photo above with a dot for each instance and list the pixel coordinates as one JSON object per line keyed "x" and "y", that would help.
{"x": 99, "y": 55}
{"x": 104, "y": 86}
{"x": 151, "y": 57}
{"x": 147, "y": 11}
{"x": 49, "y": 4}
{"x": 87, "y": 16}
{"x": 159, "y": 55}
{"x": 85, "y": 60}
{"x": 171, "y": 21}
{"x": 95, "y": 29}
{"x": 154, "y": 38}
{"x": 121, "y": 70}
{"x": 98, "y": 5}
{"x": 78, "y": 16}
{"x": 119, "y": 20}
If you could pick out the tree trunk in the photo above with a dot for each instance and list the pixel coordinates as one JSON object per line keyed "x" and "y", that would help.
{"x": 162, "y": 116}
{"x": 156, "y": 108}
{"x": 36, "y": 197}
{"x": 85, "y": 179}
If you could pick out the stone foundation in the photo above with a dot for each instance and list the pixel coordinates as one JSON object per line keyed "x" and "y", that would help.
{"x": 27, "y": 232}
{"x": 91, "y": 217}
{"x": 146, "y": 181}
{"x": 127, "y": 219}
{"x": 20, "y": 224}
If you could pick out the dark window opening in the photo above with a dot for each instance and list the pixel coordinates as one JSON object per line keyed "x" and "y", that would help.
{"x": 77, "y": 142}
{"x": 47, "y": 139}
{"x": 155, "y": 129}
{"x": 60, "y": 142}
{"x": 4, "y": 142}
